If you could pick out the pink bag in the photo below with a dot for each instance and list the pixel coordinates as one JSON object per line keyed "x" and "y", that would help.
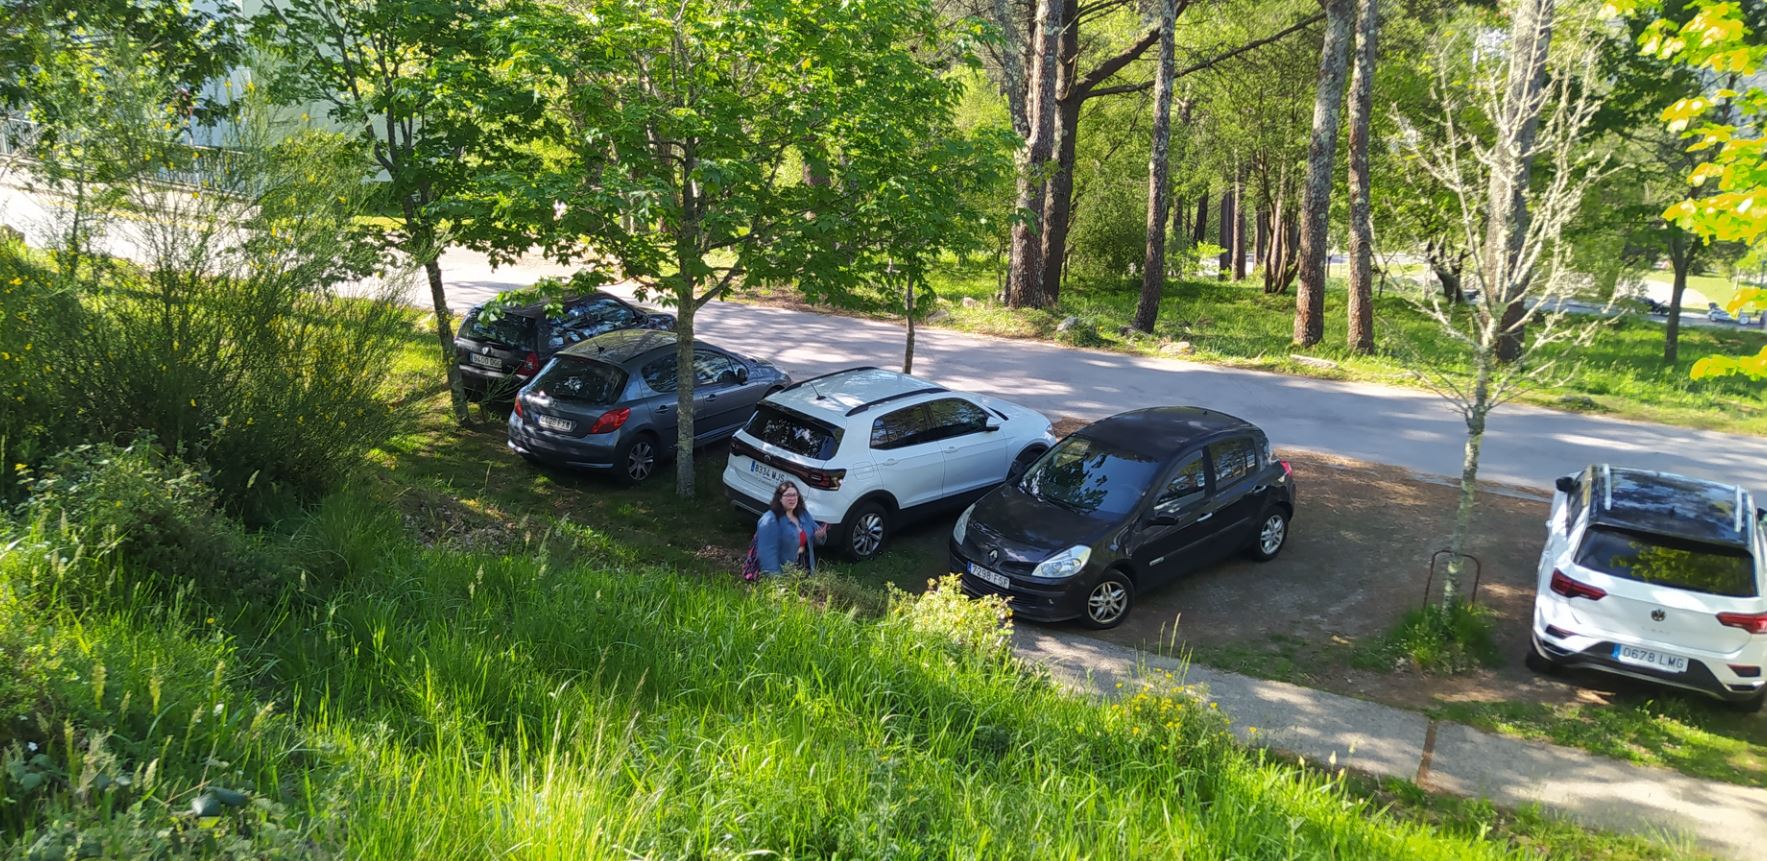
{"x": 751, "y": 564}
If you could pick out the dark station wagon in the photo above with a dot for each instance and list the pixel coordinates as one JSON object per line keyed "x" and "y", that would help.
{"x": 498, "y": 356}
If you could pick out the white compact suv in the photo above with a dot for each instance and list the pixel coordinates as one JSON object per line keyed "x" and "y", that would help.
{"x": 872, "y": 449}
{"x": 1658, "y": 577}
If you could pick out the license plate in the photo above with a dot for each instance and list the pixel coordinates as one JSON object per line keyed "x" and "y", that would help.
{"x": 484, "y": 361}
{"x": 1647, "y": 658}
{"x": 987, "y": 576}
{"x": 766, "y": 472}
{"x": 556, "y": 424}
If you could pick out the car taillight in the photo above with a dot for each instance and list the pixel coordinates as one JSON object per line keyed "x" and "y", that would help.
{"x": 611, "y": 420}
{"x": 827, "y": 479}
{"x": 1754, "y": 623}
{"x": 1287, "y": 471}
{"x": 1572, "y": 589}
{"x": 530, "y": 365}
{"x": 518, "y": 406}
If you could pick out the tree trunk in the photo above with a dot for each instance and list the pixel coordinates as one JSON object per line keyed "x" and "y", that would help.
{"x": 1153, "y": 266}
{"x": 1518, "y": 121}
{"x": 688, "y": 267}
{"x": 1224, "y": 263}
{"x": 1261, "y": 242}
{"x": 1200, "y": 230}
{"x": 908, "y": 306}
{"x": 1469, "y": 478}
{"x": 1681, "y": 252}
{"x": 422, "y": 246}
{"x": 1058, "y": 203}
{"x": 1334, "y": 55}
{"x": 1237, "y": 247}
{"x": 1025, "y": 272}
{"x": 1361, "y": 336}
{"x": 1058, "y": 195}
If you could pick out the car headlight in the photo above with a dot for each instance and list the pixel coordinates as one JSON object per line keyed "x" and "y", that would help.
{"x": 962, "y": 527}
{"x": 1063, "y": 565}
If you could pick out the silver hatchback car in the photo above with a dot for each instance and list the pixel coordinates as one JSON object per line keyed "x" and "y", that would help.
{"x": 608, "y": 404}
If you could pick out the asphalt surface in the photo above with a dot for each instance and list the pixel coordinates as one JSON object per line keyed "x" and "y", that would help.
{"x": 1409, "y": 428}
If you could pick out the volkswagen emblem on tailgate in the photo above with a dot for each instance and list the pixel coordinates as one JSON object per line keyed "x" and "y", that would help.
{"x": 1658, "y": 615}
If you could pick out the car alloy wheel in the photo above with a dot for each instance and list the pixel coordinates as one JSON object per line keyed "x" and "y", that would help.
{"x": 640, "y": 460}
{"x": 1107, "y": 602}
{"x": 1275, "y": 531}
{"x": 868, "y": 533}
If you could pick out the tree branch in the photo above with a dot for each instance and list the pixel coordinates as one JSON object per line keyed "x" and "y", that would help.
{"x": 1088, "y": 87}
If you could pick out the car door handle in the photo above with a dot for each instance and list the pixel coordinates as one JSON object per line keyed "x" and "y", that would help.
{"x": 1261, "y": 488}
{"x": 890, "y": 462}
{"x": 1205, "y": 517}
{"x": 662, "y": 408}
{"x": 951, "y": 450}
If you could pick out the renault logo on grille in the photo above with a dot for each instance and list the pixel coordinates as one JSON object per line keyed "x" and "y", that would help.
{"x": 993, "y": 556}
{"x": 1658, "y": 615}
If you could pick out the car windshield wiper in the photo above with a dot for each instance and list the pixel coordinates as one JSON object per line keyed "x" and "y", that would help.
{"x": 1060, "y": 502}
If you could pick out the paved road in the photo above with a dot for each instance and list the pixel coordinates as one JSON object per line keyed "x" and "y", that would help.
{"x": 1404, "y": 427}
{"x": 1415, "y": 429}
{"x": 1723, "y": 818}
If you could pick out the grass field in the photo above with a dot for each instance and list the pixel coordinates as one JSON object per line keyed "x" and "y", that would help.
{"x": 488, "y": 660}
{"x": 1621, "y": 373}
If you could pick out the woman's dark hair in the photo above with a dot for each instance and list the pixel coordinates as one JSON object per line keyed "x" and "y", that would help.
{"x": 779, "y": 508}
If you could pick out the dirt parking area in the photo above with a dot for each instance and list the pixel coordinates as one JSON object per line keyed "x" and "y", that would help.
{"x": 1358, "y": 558}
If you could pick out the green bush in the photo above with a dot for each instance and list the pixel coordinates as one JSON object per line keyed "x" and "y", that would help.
{"x": 1451, "y": 638}
{"x": 34, "y": 311}
{"x": 123, "y": 520}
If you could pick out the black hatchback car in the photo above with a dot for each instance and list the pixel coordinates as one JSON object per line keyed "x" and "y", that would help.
{"x": 1121, "y": 507}
{"x": 497, "y": 357}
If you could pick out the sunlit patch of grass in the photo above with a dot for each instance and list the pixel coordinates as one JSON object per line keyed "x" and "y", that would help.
{"x": 1695, "y": 737}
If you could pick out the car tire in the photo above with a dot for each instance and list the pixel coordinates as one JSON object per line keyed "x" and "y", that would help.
{"x": 636, "y": 459}
{"x": 1108, "y": 601}
{"x": 867, "y": 529}
{"x": 1271, "y": 537}
{"x": 1540, "y": 663}
{"x": 1751, "y": 705}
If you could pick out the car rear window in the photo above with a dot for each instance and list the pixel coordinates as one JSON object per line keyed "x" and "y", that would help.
{"x": 582, "y": 381}
{"x": 1663, "y": 561}
{"x": 795, "y": 433}
{"x": 509, "y": 330}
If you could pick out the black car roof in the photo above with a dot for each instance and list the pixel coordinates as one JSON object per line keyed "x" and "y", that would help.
{"x": 538, "y": 309}
{"x": 1675, "y": 505}
{"x": 1159, "y": 431}
{"x": 621, "y": 345}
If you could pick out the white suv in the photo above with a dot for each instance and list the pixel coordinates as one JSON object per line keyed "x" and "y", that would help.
{"x": 871, "y": 449}
{"x": 1658, "y": 577}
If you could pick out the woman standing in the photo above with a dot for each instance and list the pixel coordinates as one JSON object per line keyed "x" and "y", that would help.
{"x": 788, "y": 535}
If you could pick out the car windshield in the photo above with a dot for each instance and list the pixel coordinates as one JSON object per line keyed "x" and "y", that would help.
{"x": 1663, "y": 561}
{"x": 569, "y": 378}
{"x": 1090, "y": 477}
{"x": 509, "y": 330}
{"x": 794, "y": 433}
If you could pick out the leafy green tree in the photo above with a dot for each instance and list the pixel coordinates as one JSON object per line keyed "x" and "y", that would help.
{"x": 1721, "y": 43}
{"x": 744, "y": 142}
{"x": 180, "y": 45}
{"x": 417, "y": 82}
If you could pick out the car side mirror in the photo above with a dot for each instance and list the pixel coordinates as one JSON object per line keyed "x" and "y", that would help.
{"x": 742, "y": 375}
{"x": 1566, "y": 485}
{"x": 990, "y": 428}
{"x": 1160, "y": 518}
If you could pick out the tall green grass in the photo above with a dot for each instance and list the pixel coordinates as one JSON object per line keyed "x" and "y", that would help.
{"x": 446, "y": 705}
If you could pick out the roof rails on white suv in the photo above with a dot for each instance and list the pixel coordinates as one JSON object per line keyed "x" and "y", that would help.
{"x": 872, "y": 449}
